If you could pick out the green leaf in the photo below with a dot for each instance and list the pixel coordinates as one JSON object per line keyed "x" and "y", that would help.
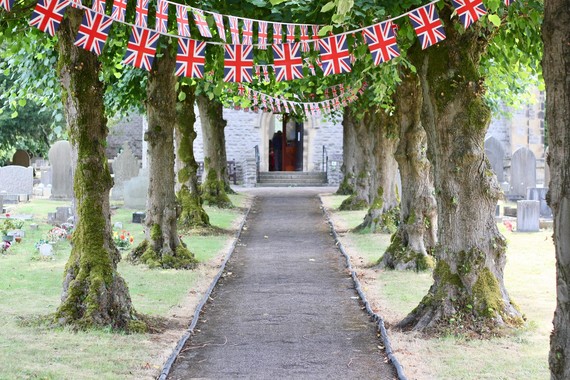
{"x": 328, "y": 7}
{"x": 344, "y": 6}
{"x": 14, "y": 114}
{"x": 22, "y": 102}
{"x": 496, "y": 20}
{"x": 275, "y": 2}
{"x": 181, "y": 96}
{"x": 324, "y": 30}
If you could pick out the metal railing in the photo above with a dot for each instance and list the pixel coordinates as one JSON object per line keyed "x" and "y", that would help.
{"x": 257, "y": 163}
{"x": 325, "y": 163}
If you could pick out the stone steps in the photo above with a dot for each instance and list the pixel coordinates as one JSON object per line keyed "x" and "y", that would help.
{"x": 291, "y": 179}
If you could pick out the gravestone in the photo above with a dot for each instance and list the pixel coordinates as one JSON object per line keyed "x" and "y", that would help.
{"x": 16, "y": 180}
{"x": 60, "y": 158}
{"x": 496, "y": 154}
{"x": 135, "y": 191}
{"x": 523, "y": 173}
{"x": 528, "y": 213}
{"x": 539, "y": 194}
{"x": 46, "y": 250}
{"x": 21, "y": 158}
{"x": 61, "y": 215}
{"x": 125, "y": 167}
{"x": 45, "y": 175}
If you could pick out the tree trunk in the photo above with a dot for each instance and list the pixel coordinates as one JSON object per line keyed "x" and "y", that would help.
{"x": 468, "y": 291}
{"x": 417, "y": 230}
{"x": 162, "y": 246}
{"x": 216, "y": 184}
{"x": 556, "y": 68}
{"x": 193, "y": 214}
{"x": 378, "y": 139}
{"x": 94, "y": 294}
{"x": 349, "y": 149}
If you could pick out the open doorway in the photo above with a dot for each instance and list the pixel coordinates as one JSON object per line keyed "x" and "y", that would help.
{"x": 286, "y": 145}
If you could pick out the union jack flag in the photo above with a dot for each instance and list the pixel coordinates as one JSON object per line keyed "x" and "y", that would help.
{"x": 48, "y": 15}
{"x": 234, "y": 30}
{"x": 277, "y": 33}
{"x": 247, "y": 32}
{"x": 98, "y": 6}
{"x": 469, "y": 11}
{"x": 93, "y": 31}
{"x": 162, "y": 16}
{"x": 76, "y": 4}
{"x": 291, "y": 33}
{"x": 191, "y": 58}
{"x": 182, "y": 20}
{"x": 427, "y": 25}
{"x": 6, "y": 4}
{"x": 262, "y": 35}
{"x": 288, "y": 64}
{"x": 219, "y": 19}
{"x": 509, "y": 2}
{"x": 304, "y": 38}
{"x": 119, "y": 10}
{"x": 141, "y": 48}
{"x": 381, "y": 42}
{"x": 266, "y": 73}
{"x": 238, "y": 63}
{"x": 316, "y": 36}
{"x": 141, "y": 13}
{"x": 335, "y": 57}
{"x": 201, "y": 23}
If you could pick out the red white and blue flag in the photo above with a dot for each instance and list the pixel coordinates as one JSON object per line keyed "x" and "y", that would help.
{"x": 335, "y": 57}
{"x": 287, "y": 62}
{"x": 509, "y": 2}
{"x": 182, "y": 21}
{"x": 234, "y": 29}
{"x": 201, "y": 23}
{"x": 219, "y": 19}
{"x": 316, "y": 36}
{"x": 277, "y": 33}
{"x": 191, "y": 58}
{"x": 141, "y": 48}
{"x": 469, "y": 11}
{"x": 162, "y": 16}
{"x": 427, "y": 25}
{"x": 247, "y": 32}
{"x": 141, "y": 13}
{"x": 98, "y": 6}
{"x": 381, "y": 42}
{"x": 119, "y": 10}
{"x": 238, "y": 63}
{"x": 304, "y": 36}
{"x": 76, "y": 4}
{"x": 291, "y": 33}
{"x": 48, "y": 15}
{"x": 6, "y": 4}
{"x": 93, "y": 31}
{"x": 262, "y": 35}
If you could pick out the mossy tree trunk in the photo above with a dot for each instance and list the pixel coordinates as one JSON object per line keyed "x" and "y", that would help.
{"x": 216, "y": 185}
{"x": 349, "y": 151}
{"x": 468, "y": 290}
{"x": 417, "y": 231}
{"x": 94, "y": 294}
{"x": 556, "y": 68}
{"x": 162, "y": 246}
{"x": 379, "y": 138}
{"x": 189, "y": 196}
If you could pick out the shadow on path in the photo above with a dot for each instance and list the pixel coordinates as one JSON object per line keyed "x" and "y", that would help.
{"x": 285, "y": 307}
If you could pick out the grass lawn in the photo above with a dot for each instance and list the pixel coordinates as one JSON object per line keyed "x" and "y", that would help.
{"x": 30, "y": 286}
{"x": 529, "y": 278}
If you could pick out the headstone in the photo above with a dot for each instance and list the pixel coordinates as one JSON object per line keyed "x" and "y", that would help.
{"x": 523, "y": 172}
{"x": 528, "y": 213}
{"x": 539, "y": 194}
{"x": 135, "y": 191}
{"x": 138, "y": 217}
{"x": 34, "y": 226}
{"x": 61, "y": 215}
{"x": 16, "y": 180}
{"x": 125, "y": 167}
{"x": 21, "y": 158}
{"x": 45, "y": 175}
{"x": 496, "y": 154}
{"x": 510, "y": 211}
{"x": 118, "y": 225}
{"x": 60, "y": 158}
{"x": 46, "y": 250}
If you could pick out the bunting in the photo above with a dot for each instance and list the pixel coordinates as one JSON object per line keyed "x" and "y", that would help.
{"x": 162, "y": 16}
{"x": 119, "y": 10}
{"x": 238, "y": 63}
{"x": 98, "y": 6}
{"x": 141, "y": 13}
{"x": 304, "y": 37}
{"x": 201, "y": 23}
{"x": 290, "y": 33}
{"x": 262, "y": 35}
{"x": 335, "y": 57}
{"x": 93, "y": 31}
{"x": 381, "y": 42}
{"x": 7, "y": 4}
{"x": 247, "y": 32}
{"x": 427, "y": 25}
{"x": 219, "y": 19}
{"x": 48, "y": 14}
{"x": 277, "y": 33}
{"x": 141, "y": 48}
{"x": 234, "y": 30}
{"x": 469, "y": 11}
{"x": 315, "y": 29}
{"x": 191, "y": 58}
{"x": 182, "y": 20}
{"x": 288, "y": 64}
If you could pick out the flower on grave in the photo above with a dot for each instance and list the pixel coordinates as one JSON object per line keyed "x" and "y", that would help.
{"x": 56, "y": 234}
{"x": 123, "y": 239}
{"x": 4, "y": 246}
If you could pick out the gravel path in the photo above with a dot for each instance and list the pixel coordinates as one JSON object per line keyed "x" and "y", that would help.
{"x": 285, "y": 308}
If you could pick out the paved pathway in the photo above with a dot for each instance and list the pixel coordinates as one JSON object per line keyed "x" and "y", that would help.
{"x": 288, "y": 308}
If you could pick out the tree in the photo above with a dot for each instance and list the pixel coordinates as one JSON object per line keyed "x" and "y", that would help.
{"x": 94, "y": 294}
{"x": 162, "y": 246}
{"x": 556, "y": 68}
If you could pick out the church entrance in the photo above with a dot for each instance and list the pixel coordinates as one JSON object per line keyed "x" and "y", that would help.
{"x": 286, "y": 146}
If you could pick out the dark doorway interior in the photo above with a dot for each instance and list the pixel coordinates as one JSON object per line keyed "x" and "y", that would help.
{"x": 286, "y": 147}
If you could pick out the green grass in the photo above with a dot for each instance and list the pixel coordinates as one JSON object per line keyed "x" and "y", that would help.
{"x": 530, "y": 281}
{"x": 30, "y": 287}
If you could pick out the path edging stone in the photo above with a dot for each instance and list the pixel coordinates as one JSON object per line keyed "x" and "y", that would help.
{"x": 168, "y": 364}
{"x": 376, "y": 317}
